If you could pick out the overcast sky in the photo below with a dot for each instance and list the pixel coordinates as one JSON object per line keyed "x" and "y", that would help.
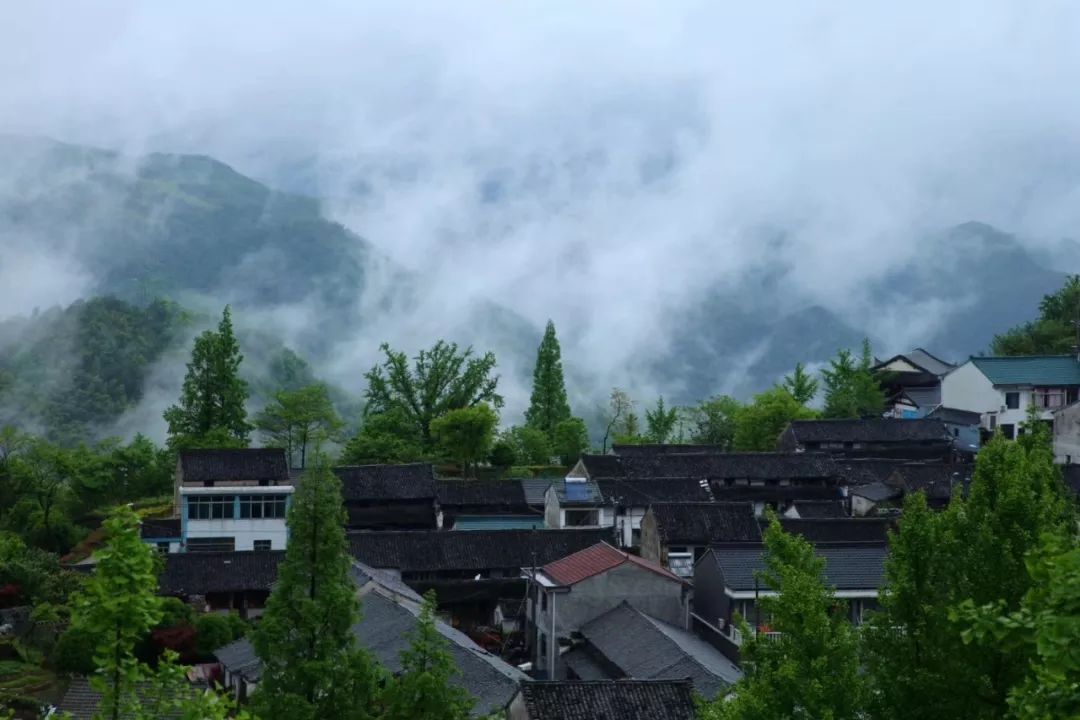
{"x": 596, "y": 162}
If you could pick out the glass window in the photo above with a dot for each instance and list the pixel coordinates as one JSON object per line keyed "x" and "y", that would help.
{"x": 211, "y": 544}
{"x": 163, "y": 547}
{"x": 1008, "y": 430}
{"x": 210, "y": 507}
{"x": 262, "y": 544}
{"x": 262, "y": 506}
{"x": 1012, "y": 400}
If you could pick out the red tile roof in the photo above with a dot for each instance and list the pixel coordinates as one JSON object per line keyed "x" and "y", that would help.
{"x": 595, "y": 560}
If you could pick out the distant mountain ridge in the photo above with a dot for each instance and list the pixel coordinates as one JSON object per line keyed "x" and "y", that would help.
{"x": 183, "y": 226}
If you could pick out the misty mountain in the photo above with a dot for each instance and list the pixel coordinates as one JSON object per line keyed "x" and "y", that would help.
{"x": 194, "y": 230}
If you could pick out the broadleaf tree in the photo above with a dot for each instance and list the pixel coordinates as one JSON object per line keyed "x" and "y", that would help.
{"x": 713, "y": 421}
{"x": 548, "y": 405}
{"x": 438, "y": 380}
{"x": 851, "y": 388}
{"x": 758, "y": 425}
{"x": 211, "y": 411}
{"x": 298, "y": 419}
{"x": 466, "y": 435}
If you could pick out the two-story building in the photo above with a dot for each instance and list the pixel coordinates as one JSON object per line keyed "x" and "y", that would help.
{"x": 231, "y": 500}
{"x": 912, "y": 382}
{"x": 918, "y": 439}
{"x": 1001, "y": 389}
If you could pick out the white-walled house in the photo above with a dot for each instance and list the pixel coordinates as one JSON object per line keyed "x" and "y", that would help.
{"x": 232, "y": 499}
{"x": 1001, "y": 389}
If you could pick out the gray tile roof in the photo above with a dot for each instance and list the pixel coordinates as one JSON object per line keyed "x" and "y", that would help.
{"x": 435, "y": 550}
{"x": 534, "y": 489}
{"x": 609, "y": 700}
{"x": 199, "y": 573}
{"x": 499, "y": 495}
{"x": 853, "y": 566}
{"x": 705, "y": 523}
{"x": 712, "y": 466}
{"x": 818, "y": 530}
{"x": 820, "y": 508}
{"x": 384, "y": 630}
{"x": 645, "y": 648}
{"x": 869, "y": 430}
{"x": 253, "y": 464}
{"x": 640, "y": 493}
{"x": 160, "y": 528}
{"x": 81, "y": 701}
{"x": 585, "y": 666}
{"x": 876, "y": 492}
{"x": 928, "y": 362}
{"x": 372, "y": 483}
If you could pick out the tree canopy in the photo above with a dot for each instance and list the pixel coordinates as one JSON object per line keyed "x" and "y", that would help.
{"x": 548, "y": 405}
{"x": 299, "y": 418}
{"x": 759, "y": 424}
{"x": 851, "y": 388}
{"x": 1052, "y": 333}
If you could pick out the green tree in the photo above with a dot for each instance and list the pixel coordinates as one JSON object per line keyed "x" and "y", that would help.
{"x": 802, "y": 386}
{"x": 531, "y": 445}
{"x": 660, "y": 422}
{"x": 211, "y": 411}
{"x": 759, "y": 424}
{"x": 423, "y": 691}
{"x": 548, "y": 405}
{"x": 713, "y": 421}
{"x": 312, "y": 668}
{"x": 45, "y": 478}
{"x": 297, "y": 419}
{"x": 386, "y": 437}
{"x": 439, "y": 380}
{"x": 466, "y": 435}
{"x": 211, "y": 632}
{"x": 571, "y": 440}
{"x": 118, "y": 606}
{"x": 1044, "y": 628}
{"x": 811, "y": 669}
{"x": 503, "y": 454}
{"x": 851, "y": 388}
{"x": 137, "y": 470}
{"x": 1053, "y": 332}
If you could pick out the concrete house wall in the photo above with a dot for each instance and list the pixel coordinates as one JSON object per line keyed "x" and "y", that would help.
{"x": 1067, "y": 434}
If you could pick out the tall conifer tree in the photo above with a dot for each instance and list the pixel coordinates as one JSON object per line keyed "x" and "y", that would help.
{"x": 548, "y": 405}
{"x": 312, "y": 668}
{"x": 211, "y": 411}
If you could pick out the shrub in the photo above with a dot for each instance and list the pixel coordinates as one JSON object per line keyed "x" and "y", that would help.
{"x": 175, "y": 612}
{"x": 237, "y": 625}
{"x": 211, "y": 632}
{"x": 74, "y": 652}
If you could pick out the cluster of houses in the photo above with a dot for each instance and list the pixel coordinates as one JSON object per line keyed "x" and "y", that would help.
{"x": 613, "y": 591}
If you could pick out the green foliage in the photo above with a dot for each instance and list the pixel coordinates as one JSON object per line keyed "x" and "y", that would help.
{"x": 75, "y": 370}
{"x": 466, "y": 435}
{"x": 1052, "y": 333}
{"x": 299, "y": 418}
{"x": 971, "y": 555}
{"x": 660, "y": 422}
{"x": 312, "y": 668}
{"x": 503, "y": 454}
{"x": 802, "y": 386}
{"x": 571, "y": 440}
{"x": 386, "y": 437}
{"x": 212, "y": 631}
{"x": 614, "y": 415}
{"x": 441, "y": 379}
{"x": 422, "y": 691}
{"x": 713, "y": 421}
{"x": 759, "y": 424}
{"x": 118, "y": 606}
{"x": 1044, "y": 628}
{"x": 531, "y": 445}
{"x": 74, "y": 651}
{"x": 175, "y": 612}
{"x": 548, "y": 405}
{"x": 211, "y": 411}
{"x": 851, "y": 388}
{"x": 811, "y": 669}
{"x": 37, "y": 574}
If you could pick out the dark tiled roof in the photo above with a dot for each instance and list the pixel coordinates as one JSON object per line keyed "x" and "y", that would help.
{"x": 645, "y": 648}
{"x": 740, "y": 493}
{"x": 873, "y": 430}
{"x": 848, "y": 566}
{"x": 263, "y": 464}
{"x": 609, "y": 700}
{"x": 81, "y": 701}
{"x": 639, "y": 493}
{"x": 443, "y": 550}
{"x": 864, "y": 472}
{"x": 938, "y": 481}
{"x": 199, "y": 573}
{"x": 876, "y": 492}
{"x": 597, "y": 559}
{"x": 667, "y": 449}
{"x": 956, "y": 417}
{"x": 705, "y": 523}
{"x": 819, "y": 530}
{"x": 371, "y": 483}
{"x": 820, "y": 508}
{"x": 160, "y": 528}
{"x": 712, "y": 466}
{"x": 498, "y": 494}
{"x": 384, "y": 630}
{"x": 535, "y": 489}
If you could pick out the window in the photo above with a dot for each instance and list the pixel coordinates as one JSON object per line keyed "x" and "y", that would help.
{"x": 262, "y": 506}
{"x": 1012, "y": 400}
{"x": 543, "y": 602}
{"x": 262, "y": 544}
{"x": 210, "y": 507}
{"x": 163, "y": 547}
{"x": 1072, "y": 395}
{"x": 578, "y": 518}
{"x": 1008, "y": 430}
{"x": 226, "y": 544}
{"x": 993, "y": 422}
